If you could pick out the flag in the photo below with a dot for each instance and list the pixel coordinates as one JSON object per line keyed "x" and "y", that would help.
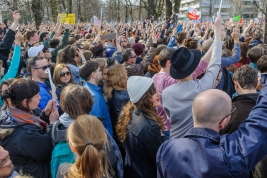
{"x": 193, "y": 14}
{"x": 237, "y": 18}
{"x": 241, "y": 20}
{"x": 96, "y": 21}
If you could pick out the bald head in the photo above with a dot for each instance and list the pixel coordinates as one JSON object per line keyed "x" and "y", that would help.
{"x": 206, "y": 45}
{"x": 211, "y": 106}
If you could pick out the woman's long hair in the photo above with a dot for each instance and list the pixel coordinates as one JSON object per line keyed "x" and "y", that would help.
{"x": 116, "y": 80}
{"x": 145, "y": 105}
{"x": 56, "y": 75}
{"x": 244, "y": 50}
{"x": 87, "y": 136}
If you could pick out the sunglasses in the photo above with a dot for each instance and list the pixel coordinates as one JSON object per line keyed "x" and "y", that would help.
{"x": 62, "y": 74}
{"x": 44, "y": 67}
{"x": 233, "y": 110}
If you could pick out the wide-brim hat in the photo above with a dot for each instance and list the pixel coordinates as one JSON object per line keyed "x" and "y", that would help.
{"x": 184, "y": 62}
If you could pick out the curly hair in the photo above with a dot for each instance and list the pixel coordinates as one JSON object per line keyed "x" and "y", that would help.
{"x": 68, "y": 55}
{"x": 145, "y": 105}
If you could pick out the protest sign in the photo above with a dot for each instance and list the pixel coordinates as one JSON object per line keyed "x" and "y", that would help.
{"x": 63, "y": 18}
{"x": 237, "y": 18}
{"x": 71, "y": 19}
{"x": 96, "y": 20}
{"x": 193, "y": 14}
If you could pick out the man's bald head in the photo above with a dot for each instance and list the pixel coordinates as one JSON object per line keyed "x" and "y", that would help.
{"x": 206, "y": 45}
{"x": 211, "y": 106}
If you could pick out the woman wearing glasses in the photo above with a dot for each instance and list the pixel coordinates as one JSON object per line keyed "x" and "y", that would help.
{"x": 61, "y": 78}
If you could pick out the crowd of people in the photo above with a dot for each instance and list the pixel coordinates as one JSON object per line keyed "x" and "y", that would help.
{"x": 147, "y": 99}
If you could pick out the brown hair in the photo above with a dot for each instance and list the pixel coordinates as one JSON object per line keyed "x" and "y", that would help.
{"x": 56, "y": 75}
{"x": 244, "y": 51}
{"x": 87, "y": 135}
{"x": 246, "y": 76}
{"x": 255, "y": 54}
{"x": 102, "y": 63}
{"x": 16, "y": 93}
{"x": 87, "y": 55}
{"x": 87, "y": 69}
{"x": 180, "y": 37}
{"x": 262, "y": 64}
{"x": 191, "y": 43}
{"x": 59, "y": 56}
{"x": 116, "y": 79}
{"x": 145, "y": 105}
{"x": 226, "y": 53}
{"x": 70, "y": 100}
{"x": 71, "y": 40}
{"x": 68, "y": 55}
{"x": 164, "y": 56}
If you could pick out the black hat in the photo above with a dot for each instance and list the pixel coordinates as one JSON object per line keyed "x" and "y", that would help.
{"x": 184, "y": 62}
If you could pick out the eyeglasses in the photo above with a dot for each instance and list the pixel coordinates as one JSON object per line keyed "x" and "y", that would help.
{"x": 44, "y": 67}
{"x": 133, "y": 57}
{"x": 233, "y": 110}
{"x": 62, "y": 74}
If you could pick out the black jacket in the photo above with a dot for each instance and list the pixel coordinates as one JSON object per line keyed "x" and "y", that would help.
{"x": 30, "y": 150}
{"x": 119, "y": 99}
{"x": 6, "y": 45}
{"x": 141, "y": 146}
{"x": 244, "y": 104}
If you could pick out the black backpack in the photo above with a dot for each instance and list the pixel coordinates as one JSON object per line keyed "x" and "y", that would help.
{"x": 228, "y": 86}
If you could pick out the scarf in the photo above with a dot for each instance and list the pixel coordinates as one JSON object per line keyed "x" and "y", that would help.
{"x": 13, "y": 117}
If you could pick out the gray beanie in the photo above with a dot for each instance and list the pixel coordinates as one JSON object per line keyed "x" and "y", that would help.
{"x": 137, "y": 87}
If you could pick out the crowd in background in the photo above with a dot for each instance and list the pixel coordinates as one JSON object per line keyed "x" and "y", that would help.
{"x": 148, "y": 99}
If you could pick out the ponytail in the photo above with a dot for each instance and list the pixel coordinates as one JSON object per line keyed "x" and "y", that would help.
{"x": 92, "y": 161}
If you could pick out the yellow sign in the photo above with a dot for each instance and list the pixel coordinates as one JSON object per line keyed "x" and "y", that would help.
{"x": 71, "y": 19}
{"x": 63, "y": 18}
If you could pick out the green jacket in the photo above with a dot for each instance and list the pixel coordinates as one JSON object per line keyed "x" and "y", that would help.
{"x": 45, "y": 43}
{"x": 63, "y": 44}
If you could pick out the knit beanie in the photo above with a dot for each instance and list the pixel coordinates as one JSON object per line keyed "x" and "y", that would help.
{"x": 138, "y": 48}
{"x": 137, "y": 87}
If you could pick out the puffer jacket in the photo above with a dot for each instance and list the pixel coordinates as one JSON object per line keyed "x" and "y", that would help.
{"x": 29, "y": 148}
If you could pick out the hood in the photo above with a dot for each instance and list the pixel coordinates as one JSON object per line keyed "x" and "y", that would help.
{"x": 247, "y": 97}
{"x": 65, "y": 119}
{"x": 59, "y": 128}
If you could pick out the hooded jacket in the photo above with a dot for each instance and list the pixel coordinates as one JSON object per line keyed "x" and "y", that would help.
{"x": 29, "y": 147}
{"x": 244, "y": 104}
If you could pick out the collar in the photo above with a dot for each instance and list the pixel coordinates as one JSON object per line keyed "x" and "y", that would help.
{"x": 93, "y": 86}
{"x": 203, "y": 132}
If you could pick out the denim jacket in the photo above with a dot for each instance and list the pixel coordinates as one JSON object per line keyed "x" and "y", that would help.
{"x": 204, "y": 153}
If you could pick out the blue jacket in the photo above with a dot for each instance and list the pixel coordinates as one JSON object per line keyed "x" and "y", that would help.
{"x": 254, "y": 43}
{"x": 109, "y": 50}
{"x": 100, "y": 108}
{"x": 204, "y": 153}
{"x": 228, "y": 61}
{"x": 45, "y": 95}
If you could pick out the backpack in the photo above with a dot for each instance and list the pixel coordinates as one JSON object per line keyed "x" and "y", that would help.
{"x": 228, "y": 86}
{"x": 60, "y": 154}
